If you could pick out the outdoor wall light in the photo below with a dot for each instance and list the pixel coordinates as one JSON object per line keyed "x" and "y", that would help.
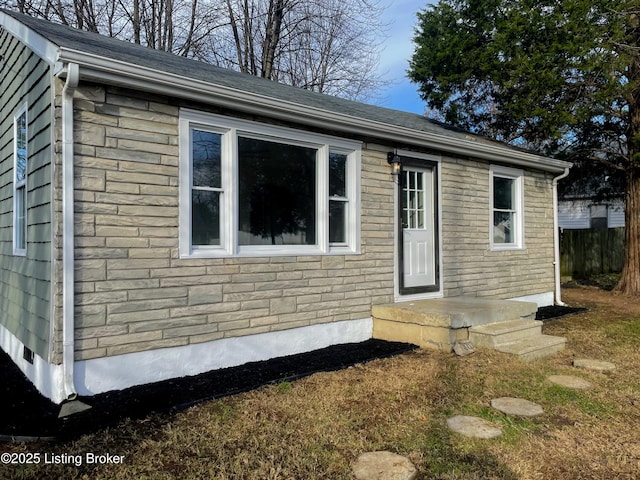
{"x": 394, "y": 161}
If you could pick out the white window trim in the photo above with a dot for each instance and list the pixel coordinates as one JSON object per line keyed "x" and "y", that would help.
{"x": 230, "y": 129}
{"x": 22, "y": 184}
{"x": 518, "y": 176}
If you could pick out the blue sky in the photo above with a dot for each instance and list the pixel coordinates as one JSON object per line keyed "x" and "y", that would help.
{"x": 394, "y": 61}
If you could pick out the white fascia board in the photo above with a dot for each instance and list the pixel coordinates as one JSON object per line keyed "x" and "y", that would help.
{"x": 42, "y": 47}
{"x": 96, "y": 68}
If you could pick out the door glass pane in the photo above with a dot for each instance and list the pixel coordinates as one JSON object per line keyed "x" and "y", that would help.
{"x": 277, "y": 193}
{"x": 414, "y": 200}
{"x": 205, "y": 217}
{"x": 503, "y": 193}
{"x": 206, "y": 159}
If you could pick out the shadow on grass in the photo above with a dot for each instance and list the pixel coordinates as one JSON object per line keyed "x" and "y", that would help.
{"x": 445, "y": 461}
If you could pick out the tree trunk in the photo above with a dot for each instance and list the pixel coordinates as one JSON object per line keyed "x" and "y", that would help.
{"x": 272, "y": 36}
{"x": 629, "y": 283}
{"x": 630, "y": 280}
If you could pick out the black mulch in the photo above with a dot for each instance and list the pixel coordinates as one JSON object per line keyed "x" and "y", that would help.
{"x": 556, "y": 311}
{"x": 26, "y": 413}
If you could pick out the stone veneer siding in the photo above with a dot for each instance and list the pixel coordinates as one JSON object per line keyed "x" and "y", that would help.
{"x": 134, "y": 293}
{"x": 470, "y": 267}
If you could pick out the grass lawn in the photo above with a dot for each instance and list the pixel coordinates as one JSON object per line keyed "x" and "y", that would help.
{"x": 315, "y": 428}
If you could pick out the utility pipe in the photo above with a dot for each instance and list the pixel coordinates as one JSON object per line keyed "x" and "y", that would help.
{"x": 556, "y": 237}
{"x": 68, "y": 260}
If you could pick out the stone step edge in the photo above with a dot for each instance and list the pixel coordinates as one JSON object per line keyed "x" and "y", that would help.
{"x": 530, "y": 345}
{"x": 501, "y": 328}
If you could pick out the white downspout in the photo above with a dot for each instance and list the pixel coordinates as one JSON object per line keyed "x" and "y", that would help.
{"x": 556, "y": 237}
{"x": 68, "y": 323}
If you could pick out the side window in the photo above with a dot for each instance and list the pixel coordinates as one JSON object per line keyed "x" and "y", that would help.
{"x": 338, "y": 198}
{"x": 20, "y": 156}
{"x": 206, "y": 187}
{"x": 506, "y": 193}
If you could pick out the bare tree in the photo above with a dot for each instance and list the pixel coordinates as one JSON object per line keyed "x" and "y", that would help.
{"x": 328, "y": 46}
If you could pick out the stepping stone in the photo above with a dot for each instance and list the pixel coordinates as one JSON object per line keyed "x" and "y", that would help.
{"x": 598, "y": 365}
{"x": 570, "y": 381}
{"x": 473, "y": 427}
{"x": 383, "y": 466}
{"x": 517, "y": 406}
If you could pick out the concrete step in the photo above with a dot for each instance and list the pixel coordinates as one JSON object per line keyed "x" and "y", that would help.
{"x": 455, "y": 312}
{"x": 491, "y": 335}
{"x": 534, "y": 347}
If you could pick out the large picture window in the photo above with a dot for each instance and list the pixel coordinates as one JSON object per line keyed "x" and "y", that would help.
{"x": 20, "y": 155}
{"x": 249, "y": 189}
{"x": 506, "y": 208}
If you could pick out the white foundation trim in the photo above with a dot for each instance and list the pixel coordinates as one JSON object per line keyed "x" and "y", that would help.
{"x": 46, "y": 377}
{"x": 118, "y": 372}
{"x": 542, "y": 299}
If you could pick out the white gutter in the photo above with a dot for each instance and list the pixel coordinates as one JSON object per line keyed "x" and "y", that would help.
{"x": 556, "y": 237}
{"x": 101, "y": 69}
{"x": 68, "y": 321}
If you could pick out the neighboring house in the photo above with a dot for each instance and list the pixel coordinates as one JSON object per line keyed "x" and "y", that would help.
{"x": 162, "y": 217}
{"x": 584, "y": 213}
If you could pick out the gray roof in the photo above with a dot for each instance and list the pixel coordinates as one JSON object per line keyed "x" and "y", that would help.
{"x": 137, "y": 55}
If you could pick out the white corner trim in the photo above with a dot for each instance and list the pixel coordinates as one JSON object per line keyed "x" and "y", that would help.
{"x": 46, "y": 377}
{"x": 542, "y": 299}
{"x": 118, "y": 372}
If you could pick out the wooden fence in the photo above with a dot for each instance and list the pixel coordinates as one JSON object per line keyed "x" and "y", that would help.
{"x": 591, "y": 252}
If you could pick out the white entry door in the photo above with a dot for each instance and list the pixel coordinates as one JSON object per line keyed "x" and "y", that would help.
{"x": 418, "y": 228}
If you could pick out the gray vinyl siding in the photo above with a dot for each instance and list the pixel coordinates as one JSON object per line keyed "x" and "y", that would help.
{"x": 25, "y": 281}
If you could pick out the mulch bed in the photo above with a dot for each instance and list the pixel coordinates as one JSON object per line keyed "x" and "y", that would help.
{"x": 556, "y": 311}
{"x": 27, "y": 415}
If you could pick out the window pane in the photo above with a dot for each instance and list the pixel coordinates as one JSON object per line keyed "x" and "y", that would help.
{"x": 206, "y": 159}
{"x": 337, "y": 175}
{"x": 504, "y": 193}
{"x": 21, "y": 147}
{"x": 503, "y": 223}
{"x": 21, "y": 219}
{"x": 205, "y": 217}
{"x": 337, "y": 222}
{"x": 277, "y": 193}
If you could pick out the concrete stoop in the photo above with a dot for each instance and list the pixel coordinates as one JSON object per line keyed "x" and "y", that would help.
{"x": 504, "y": 325}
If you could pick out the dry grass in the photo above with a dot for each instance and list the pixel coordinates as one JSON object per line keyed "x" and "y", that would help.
{"x": 315, "y": 427}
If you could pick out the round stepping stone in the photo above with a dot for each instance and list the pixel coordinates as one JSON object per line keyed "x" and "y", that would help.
{"x": 473, "y": 427}
{"x": 570, "y": 381}
{"x": 598, "y": 365}
{"x": 517, "y": 406}
{"x": 383, "y": 466}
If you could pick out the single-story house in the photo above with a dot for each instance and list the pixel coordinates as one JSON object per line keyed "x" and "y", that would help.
{"x": 161, "y": 217}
